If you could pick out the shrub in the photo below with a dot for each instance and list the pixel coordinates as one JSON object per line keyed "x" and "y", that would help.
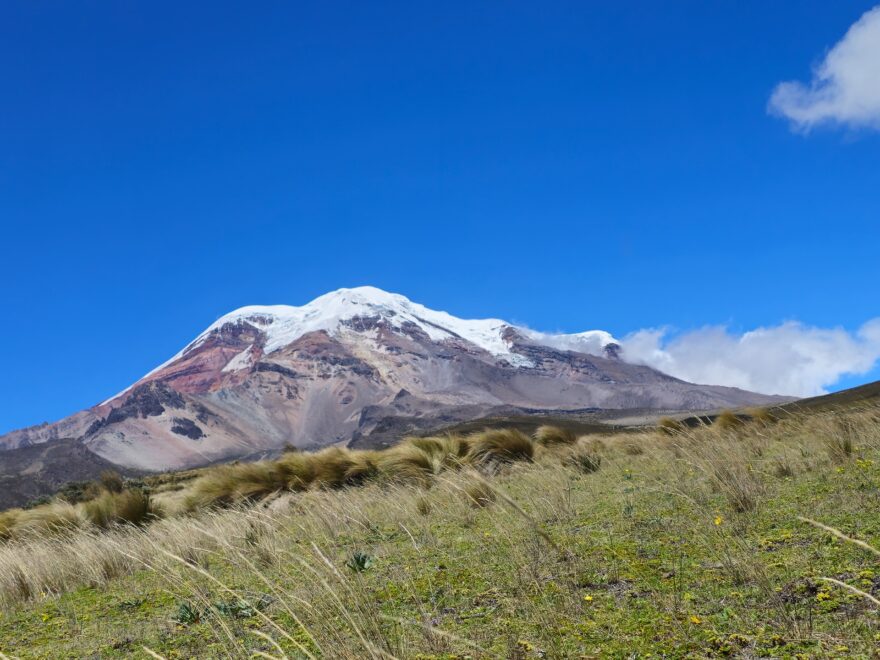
{"x": 501, "y": 446}
{"x": 111, "y": 481}
{"x": 554, "y": 435}
{"x": 74, "y": 492}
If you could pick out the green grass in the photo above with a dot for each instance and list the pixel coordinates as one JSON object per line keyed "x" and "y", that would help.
{"x": 652, "y": 554}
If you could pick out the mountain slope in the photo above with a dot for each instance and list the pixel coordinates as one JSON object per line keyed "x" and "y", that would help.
{"x": 264, "y": 377}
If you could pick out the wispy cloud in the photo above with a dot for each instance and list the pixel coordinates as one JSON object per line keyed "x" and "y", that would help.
{"x": 790, "y": 358}
{"x": 845, "y": 88}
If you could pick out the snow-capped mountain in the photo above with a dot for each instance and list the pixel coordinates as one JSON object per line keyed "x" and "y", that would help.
{"x": 333, "y": 312}
{"x": 343, "y": 365}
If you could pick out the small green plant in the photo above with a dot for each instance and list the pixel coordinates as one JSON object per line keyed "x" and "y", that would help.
{"x": 235, "y": 609}
{"x": 131, "y": 604}
{"x": 187, "y": 614}
{"x": 359, "y": 562}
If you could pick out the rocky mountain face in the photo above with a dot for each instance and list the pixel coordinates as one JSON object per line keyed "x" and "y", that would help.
{"x": 349, "y": 364}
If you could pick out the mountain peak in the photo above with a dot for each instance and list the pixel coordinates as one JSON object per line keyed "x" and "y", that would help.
{"x": 353, "y": 362}
{"x": 285, "y": 323}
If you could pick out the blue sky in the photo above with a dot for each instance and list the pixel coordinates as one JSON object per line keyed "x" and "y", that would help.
{"x": 568, "y": 166}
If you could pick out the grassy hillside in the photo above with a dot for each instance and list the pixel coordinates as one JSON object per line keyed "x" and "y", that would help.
{"x": 854, "y": 396}
{"x": 675, "y": 543}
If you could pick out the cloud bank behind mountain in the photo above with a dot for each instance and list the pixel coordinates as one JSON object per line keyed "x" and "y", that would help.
{"x": 791, "y": 358}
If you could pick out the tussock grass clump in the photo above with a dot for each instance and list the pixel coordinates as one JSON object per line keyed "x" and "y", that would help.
{"x": 298, "y": 469}
{"x": 548, "y": 436}
{"x": 632, "y": 448}
{"x": 7, "y": 523}
{"x": 584, "y": 460}
{"x": 840, "y": 440}
{"x": 500, "y": 446}
{"x": 670, "y": 426}
{"x": 727, "y": 421}
{"x": 407, "y": 463}
{"x": 364, "y": 467}
{"x": 128, "y": 506}
{"x": 783, "y": 467}
{"x": 47, "y": 519}
{"x": 731, "y": 472}
{"x": 449, "y": 450}
{"x": 741, "y": 486}
{"x": 227, "y": 484}
{"x": 762, "y": 416}
{"x": 331, "y": 465}
{"x": 423, "y": 505}
{"x": 479, "y": 493}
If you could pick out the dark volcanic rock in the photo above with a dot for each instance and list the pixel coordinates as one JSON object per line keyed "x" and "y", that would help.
{"x": 147, "y": 400}
{"x": 187, "y": 427}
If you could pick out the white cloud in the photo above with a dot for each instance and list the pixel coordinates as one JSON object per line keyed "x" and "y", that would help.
{"x": 790, "y": 358}
{"x": 845, "y": 88}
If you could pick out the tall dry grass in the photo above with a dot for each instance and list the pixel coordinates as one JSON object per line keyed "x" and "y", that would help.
{"x": 288, "y": 524}
{"x": 412, "y": 461}
{"x": 548, "y": 435}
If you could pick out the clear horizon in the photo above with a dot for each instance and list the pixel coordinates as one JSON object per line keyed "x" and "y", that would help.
{"x": 708, "y": 170}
